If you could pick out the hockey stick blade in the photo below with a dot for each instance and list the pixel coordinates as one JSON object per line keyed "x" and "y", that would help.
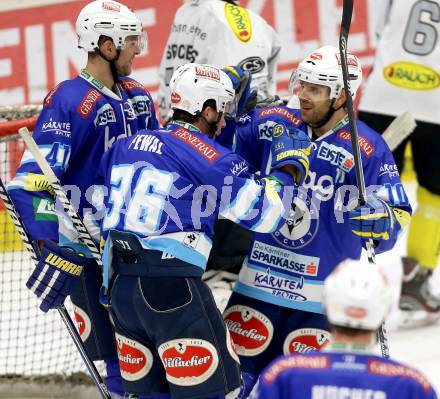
{"x": 62, "y": 311}
{"x": 399, "y": 129}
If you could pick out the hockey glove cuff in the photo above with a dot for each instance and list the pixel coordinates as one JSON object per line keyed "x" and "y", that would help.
{"x": 56, "y": 275}
{"x": 272, "y": 101}
{"x": 291, "y": 147}
{"x": 241, "y": 82}
{"x": 375, "y": 219}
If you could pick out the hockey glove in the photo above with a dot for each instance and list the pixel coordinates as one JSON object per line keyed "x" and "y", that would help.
{"x": 291, "y": 147}
{"x": 272, "y": 101}
{"x": 241, "y": 81}
{"x": 374, "y": 220}
{"x": 56, "y": 275}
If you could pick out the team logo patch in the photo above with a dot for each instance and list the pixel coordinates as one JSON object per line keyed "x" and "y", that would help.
{"x": 204, "y": 149}
{"x": 251, "y": 331}
{"x": 130, "y": 84}
{"x": 135, "y": 359}
{"x": 252, "y": 64}
{"x": 209, "y": 72}
{"x": 278, "y": 130}
{"x": 301, "y": 225}
{"x": 280, "y": 111}
{"x": 294, "y": 362}
{"x": 110, "y": 6}
{"x": 409, "y": 75}
{"x": 351, "y": 60}
{"x": 305, "y": 340}
{"x": 83, "y": 322}
{"x": 239, "y": 21}
{"x": 49, "y": 97}
{"x": 316, "y": 56}
{"x": 366, "y": 147}
{"x": 382, "y": 368}
{"x": 188, "y": 361}
{"x": 175, "y": 98}
{"x": 356, "y": 312}
{"x": 88, "y": 102}
{"x": 337, "y": 156}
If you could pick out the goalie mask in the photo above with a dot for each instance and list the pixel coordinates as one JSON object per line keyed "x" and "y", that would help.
{"x": 111, "y": 19}
{"x": 193, "y": 84}
{"x": 323, "y": 67}
{"x": 356, "y": 294}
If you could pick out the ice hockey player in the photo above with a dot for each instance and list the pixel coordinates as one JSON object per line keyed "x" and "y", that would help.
{"x": 81, "y": 119}
{"x": 414, "y": 88}
{"x": 276, "y": 304}
{"x": 166, "y": 189}
{"x": 357, "y": 299}
{"x": 219, "y": 33}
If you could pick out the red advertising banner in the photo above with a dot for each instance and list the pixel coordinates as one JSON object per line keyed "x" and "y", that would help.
{"x": 38, "y": 46}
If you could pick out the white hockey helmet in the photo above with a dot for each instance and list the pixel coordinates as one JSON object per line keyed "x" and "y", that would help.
{"x": 357, "y": 295}
{"x": 193, "y": 84}
{"x": 109, "y": 18}
{"x": 323, "y": 67}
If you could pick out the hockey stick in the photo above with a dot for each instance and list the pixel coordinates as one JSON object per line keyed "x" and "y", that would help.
{"x": 84, "y": 235}
{"x": 33, "y": 251}
{"x": 399, "y": 129}
{"x": 347, "y": 12}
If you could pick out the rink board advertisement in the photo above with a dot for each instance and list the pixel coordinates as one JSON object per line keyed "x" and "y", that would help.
{"x": 38, "y": 46}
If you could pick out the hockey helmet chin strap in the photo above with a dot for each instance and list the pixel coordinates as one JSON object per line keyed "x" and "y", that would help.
{"x": 212, "y": 126}
{"x": 112, "y": 63}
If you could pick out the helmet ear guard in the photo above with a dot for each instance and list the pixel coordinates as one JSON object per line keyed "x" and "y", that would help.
{"x": 112, "y": 19}
{"x": 323, "y": 67}
{"x": 357, "y": 295}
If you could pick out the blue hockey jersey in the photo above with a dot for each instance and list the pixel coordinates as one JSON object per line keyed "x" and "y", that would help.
{"x": 80, "y": 120}
{"x": 168, "y": 187}
{"x": 336, "y": 374}
{"x": 288, "y": 266}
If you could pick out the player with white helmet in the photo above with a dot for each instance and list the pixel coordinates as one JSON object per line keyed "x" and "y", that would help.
{"x": 280, "y": 283}
{"x": 323, "y": 68}
{"x": 99, "y": 21}
{"x": 357, "y": 298}
{"x": 178, "y": 180}
{"x": 190, "y": 98}
{"x": 80, "y": 121}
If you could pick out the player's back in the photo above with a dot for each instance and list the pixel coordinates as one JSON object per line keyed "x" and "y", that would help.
{"x": 349, "y": 375}
{"x": 163, "y": 169}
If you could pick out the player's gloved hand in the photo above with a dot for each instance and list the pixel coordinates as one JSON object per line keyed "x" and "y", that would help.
{"x": 56, "y": 275}
{"x": 374, "y": 220}
{"x": 272, "y": 101}
{"x": 291, "y": 147}
{"x": 241, "y": 81}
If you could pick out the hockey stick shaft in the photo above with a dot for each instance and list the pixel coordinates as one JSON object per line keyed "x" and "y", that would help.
{"x": 399, "y": 129}
{"x": 84, "y": 234}
{"x": 33, "y": 251}
{"x": 347, "y": 13}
